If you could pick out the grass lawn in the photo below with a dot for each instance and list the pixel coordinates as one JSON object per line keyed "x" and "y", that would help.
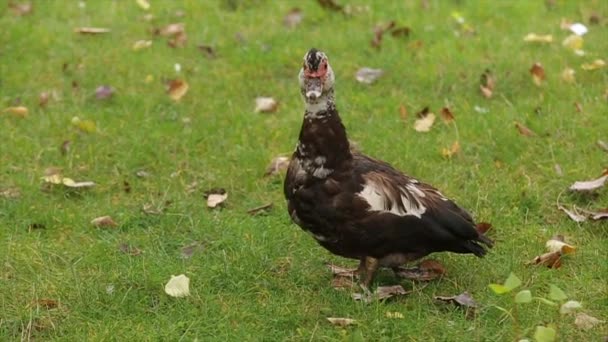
{"x": 260, "y": 277}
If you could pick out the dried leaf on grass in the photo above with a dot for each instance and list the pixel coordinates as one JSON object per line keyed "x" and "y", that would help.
{"x": 293, "y": 18}
{"x": 21, "y": 9}
{"x": 557, "y": 247}
{"x": 215, "y": 197}
{"x": 19, "y": 111}
{"x": 368, "y": 75}
{"x": 260, "y": 209}
{"x": 603, "y": 145}
{"x": 141, "y": 44}
{"x": 483, "y": 227}
{"x": 449, "y": 152}
{"x": 207, "y": 50}
{"x": 394, "y": 314}
{"x": 178, "y": 286}
{"x": 447, "y": 115}
{"x": 381, "y": 293}
{"x": 189, "y": 250}
{"x": 341, "y": 322}
{"x": 425, "y": 120}
{"x": 403, "y": 112}
{"x": 47, "y": 303}
{"x": 380, "y": 30}
{"x": 523, "y": 130}
{"x": 596, "y": 64}
{"x": 104, "y": 92}
{"x": 57, "y": 179}
{"x": 591, "y": 185}
{"x": 463, "y": 300}
{"x": 177, "y": 89}
{"x": 85, "y": 126}
{"x": 128, "y": 249}
{"x": 538, "y": 38}
{"x": 143, "y": 4}
{"x": 568, "y": 75}
{"x": 586, "y": 322}
{"x": 570, "y": 307}
{"x": 487, "y": 83}
{"x": 104, "y": 222}
{"x": 10, "y": 192}
{"x": 573, "y": 214}
{"x": 331, "y": 5}
{"x": 276, "y": 166}
{"x": 538, "y": 73}
{"x": 558, "y": 244}
{"x": 92, "y": 30}
{"x": 424, "y": 271}
{"x": 266, "y": 105}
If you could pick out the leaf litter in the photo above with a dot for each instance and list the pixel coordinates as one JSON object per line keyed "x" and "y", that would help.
{"x": 487, "y": 83}
{"x": 585, "y": 322}
{"x": 215, "y": 197}
{"x": 104, "y": 222}
{"x": 176, "y": 89}
{"x": 260, "y": 209}
{"x": 368, "y": 75}
{"x": 538, "y": 73}
{"x": 189, "y": 250}
{"x": 178, "y": 286}
{"x": 266, "y": 105}
{"x": 591, "y": 185}
{"x": 340, "y": 321}
{"x": 557, "y": 247}
{"x": 92, "y": 30}
{"x": 424, "y": 271}
{"x": 381, "y": 293}
{"x": 463, "y": 300}
{"x": 425, "y": 120}
{"x": 277, "y": 165}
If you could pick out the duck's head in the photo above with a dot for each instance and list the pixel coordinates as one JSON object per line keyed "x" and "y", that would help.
{"x": 316, "y": 76}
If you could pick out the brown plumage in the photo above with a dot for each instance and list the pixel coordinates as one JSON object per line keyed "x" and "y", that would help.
{"x": 359, "y": 207}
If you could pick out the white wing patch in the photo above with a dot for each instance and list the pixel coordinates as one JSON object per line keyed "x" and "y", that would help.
{"x": 381, "y": 200}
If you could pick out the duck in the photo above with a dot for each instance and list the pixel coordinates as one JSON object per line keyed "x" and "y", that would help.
{"x": 359, "y": 207}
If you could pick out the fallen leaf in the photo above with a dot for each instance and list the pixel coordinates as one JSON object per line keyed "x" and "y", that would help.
{"x": 343, "y": 282}
{"x": 178, "y": 40}
{"x": 91, "y": 30}
{"x": 568, "y": 75}
{"x": 215, "y": 197}
{"x": 512, "y": 282}
{"x": 151, "y": 209}
{"x": 104, "y": 222}
{"x": 596, "y": 64}
{"x": 330, "y": 5}
{"x": 17, "y": 111}
{"x": 276, "y": 166}
{"x": 589, "y": 185}
{"x": 188, "y": 251}
{"x": 10, "y": 192}
{"x": 368, "y": 75}
{"x": 178, "y": 286}
{"x": 260, "y": 209}
{"x": 449, "y": 152}
{"x": 570, "y": 307}
{"x": 394, "y": 314}
{"x": 385, "y": 292}
{"x": 523, "y": 130}
{"x": 551, "y": 260}
{"x": 447, "y": 115}
{"x": 601, "y": 215}
{"x": 177, "y": 89}
{"x": 576, "y": 217}
{"x": 130, "y": 250}
{"x": 463, "y": 300}
{"x": 208, "y": 51}
{"x": 86, "y": 126}
{"x": 424, "y": 271}
{"x": 341, "y": 322}
{"x": 171, "y": 30}
{"x": 21, "y": 9}
{"x": 43, "y": 98}
{"x": 586, "y": 322}
{"x": 265, "y": 105}
{"x": 104, "y": 92}
{"x": 538, "y": 38}
{"x": 487, "y": 83}
{"x": 47, "y": 303}
{"x": 544, "y": 334}
{"x": 557, "y": 244}
{"x": 293, "y": 18}
{"x": 574, "y": 43}
{"x": 403, "y": 112}
{"x": 141, "y": 44}
{"x": 603, "y": 145}
{"x": 143, "y": 4}
{"x": 339, "y": 270}
{"x": 402, "y": 31}
{"x": 538, "y": 73}
{"x": 481, "y": 110}
{"x": 142, "y": 174}
{"x": 425, "y": 120}
{"x": 70, "y": 183}
{"x": 578, "y": 29}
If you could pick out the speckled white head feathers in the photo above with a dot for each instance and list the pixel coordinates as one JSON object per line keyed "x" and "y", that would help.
{"x": 316, "y": 79}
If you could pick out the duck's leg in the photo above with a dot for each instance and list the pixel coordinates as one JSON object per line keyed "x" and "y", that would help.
{"x": 370, "y": 265}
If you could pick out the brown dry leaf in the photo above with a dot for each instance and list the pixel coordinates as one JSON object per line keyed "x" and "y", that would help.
{"x": 331, "y": 5}
{"x": 603, "y": 145}
{"x": 260, "y": 209}
{"x": 463, "y": 300}
{"x": 601, "y": 215}
{"x": 424, "y": 271}
{"x": 402, "y": 31}
{"x": 379, "y": 31}
{"x": 586, "y": 322}
{"x": 591, "y": 185}
{"x": 368, "y": 75}
{"x": 21, "y": 9}
{"x": 276, "y": 166}
{"x": 10, "y": 192}
{"x": 340, "y": 282}
{"x": 538, "y": 73}
{"x": 177, "y": 89}
{"x": 341, "y": 322}
{"x": 339, "y": 270}
{"x": 20, "y": 111}
{"x": 538, "y": 38}
{"x": 487, "y": 83}
{"x": 189, "y": 250}
{"x": 596, "y": 64}
{"x": 447, "y": 115}
{"x": 523, "y": 130}
{"x": 449, "y": 152}
{"x": 171, "y": 30}
{"x": 573, "y": 214}
{"x": 293, "y": 18}
{"x": 265, "y": 105}
{"x": 47, "y": 303}
{"x": 178, "y": 40}
{"x": 551, "y": 260}
{"x": 207, "y": 50}
{"x": 483, "y": 227}
{"x": 425, "y": 120}
{"x": 104, "y": 222}
{"x": 92, "y": 30}
{"x": 128, "y": 249}
{"x": 215, "y": 197}
{"x": 385, "y": 292}
{"x": 403, "y": 112}
{"x": 568, "y": 75}
{"x": 558, "y": 244}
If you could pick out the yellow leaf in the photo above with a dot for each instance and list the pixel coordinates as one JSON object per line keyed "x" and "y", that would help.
{"x": 86, "y": 126}
{"x": 568, "y": 75}
{"x": 53, "y": 179}
{"x": 538, "y": 38}
{"x": 142, "y": 44}
{"x": 573, "y": 42}
{"x": 177, "y": 89}
{"x": 143, "y": 4}
{"x": 596, "y": 64}
{"x": 18, "y": 111}
{"x": 449, "y": 152}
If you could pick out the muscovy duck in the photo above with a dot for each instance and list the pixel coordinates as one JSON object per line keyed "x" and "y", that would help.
{"x": 359, "y": 207}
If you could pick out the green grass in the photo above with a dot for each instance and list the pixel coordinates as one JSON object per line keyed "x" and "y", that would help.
{"x": 261, "y": 278}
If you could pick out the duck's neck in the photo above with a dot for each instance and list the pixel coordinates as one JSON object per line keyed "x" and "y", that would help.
{"x": 323, "y": 144}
